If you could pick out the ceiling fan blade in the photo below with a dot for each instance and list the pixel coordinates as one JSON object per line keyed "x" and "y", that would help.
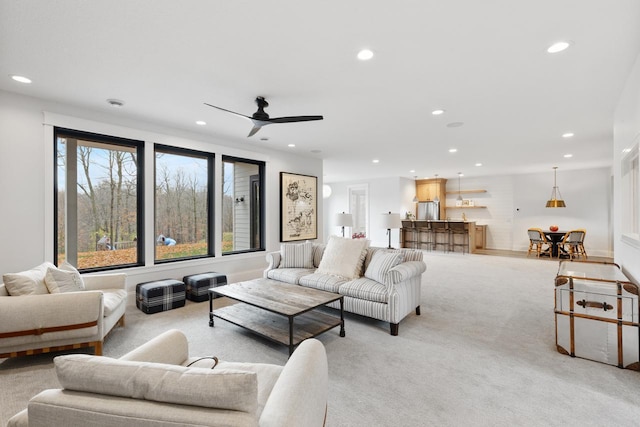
{"x": 295, "y": 119}
{"x": 254, "y": 130}
{"x": 228, "y": 111}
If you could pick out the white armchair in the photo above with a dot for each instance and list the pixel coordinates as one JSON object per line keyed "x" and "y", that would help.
{"x": 33, "y": 324}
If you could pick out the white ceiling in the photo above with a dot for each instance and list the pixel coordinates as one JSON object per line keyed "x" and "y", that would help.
{"x": 484, "y": 62}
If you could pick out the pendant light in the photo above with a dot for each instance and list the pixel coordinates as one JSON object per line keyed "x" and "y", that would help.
{"x": 437, "y": 199}
{"x": 459, "y": 193}
{"x": 556, "y": 199}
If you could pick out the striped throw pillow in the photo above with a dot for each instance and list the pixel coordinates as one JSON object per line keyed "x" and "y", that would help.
{"x": 296, "y": 255}
{"x": 381, "y": 263}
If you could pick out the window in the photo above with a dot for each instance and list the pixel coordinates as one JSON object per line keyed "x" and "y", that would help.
{"x": 242, "y": 206}
{"x": 630, "y": 190}
{"x": 359, "y": 208}
{"x": 184, "y": 179}
{"x": 97, "y": 202}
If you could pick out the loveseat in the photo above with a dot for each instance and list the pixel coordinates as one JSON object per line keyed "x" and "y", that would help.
{"x": 33, "y": 321}
{"x": 380, "y": 283}
{"x": 158, "y": 384}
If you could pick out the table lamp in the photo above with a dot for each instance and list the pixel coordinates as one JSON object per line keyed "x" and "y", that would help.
{"x": 344, "y": 220}
{"x": 389, "y": 221}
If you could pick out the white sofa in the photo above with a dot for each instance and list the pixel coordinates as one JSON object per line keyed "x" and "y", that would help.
{"x": 381, "y": 290}
{"x": 40, "y": 323}
{"x": 152, "y": 386}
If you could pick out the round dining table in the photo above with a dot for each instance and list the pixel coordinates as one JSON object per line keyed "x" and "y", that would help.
{"x": 555, "y": 237}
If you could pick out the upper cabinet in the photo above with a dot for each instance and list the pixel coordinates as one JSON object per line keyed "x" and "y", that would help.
{"x": 430, "y": 189}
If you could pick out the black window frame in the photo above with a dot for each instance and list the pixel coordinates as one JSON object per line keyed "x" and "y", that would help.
{"x": 168, "y": 149}
{"x": 261, "y": 171}
{"x": 59, "y": 132}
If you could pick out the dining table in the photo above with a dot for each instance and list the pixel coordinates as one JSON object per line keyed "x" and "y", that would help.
{"x": 555, "y": 238}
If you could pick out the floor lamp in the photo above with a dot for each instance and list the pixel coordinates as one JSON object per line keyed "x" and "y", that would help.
{"x": 344, "y": 220}
{"x": 389, "y": 221}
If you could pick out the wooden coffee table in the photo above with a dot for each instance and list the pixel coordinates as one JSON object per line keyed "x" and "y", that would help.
{"x": 268, "y": 308}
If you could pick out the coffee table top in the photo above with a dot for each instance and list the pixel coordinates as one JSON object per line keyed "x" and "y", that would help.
{"x": 277, "y": 297}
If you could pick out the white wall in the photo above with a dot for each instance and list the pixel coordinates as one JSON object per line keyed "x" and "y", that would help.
{"x": 26, "y": 188}
{"x": 513, "y": 204}
{"x": 626, "y": 130}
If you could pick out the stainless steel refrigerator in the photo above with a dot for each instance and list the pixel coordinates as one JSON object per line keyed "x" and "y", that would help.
{"x": 429, "y": 210}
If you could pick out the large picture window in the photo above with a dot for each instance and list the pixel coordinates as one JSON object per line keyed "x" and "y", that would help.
{"x": 98, "y": 209}
{"x": 183, "y": 184}
{"x": 242, "y": 205}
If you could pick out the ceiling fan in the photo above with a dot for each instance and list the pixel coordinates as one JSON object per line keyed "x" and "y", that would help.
{"x": 260, "y": 118}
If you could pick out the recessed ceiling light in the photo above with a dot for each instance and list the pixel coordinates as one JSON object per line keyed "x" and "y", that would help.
{"x": 116, "y": 103}
{"x": 291, "y": 145}
{"x": 437, "y": 112}
{"x": 365, "y": 55}
{"x": 558, "y": 47}
{"x": 626, "y": 150}
{"x": 567, "y": 135}
{"x": 478, "y": 164}
{"x": 453, "y": 150}
{"x": 412, "y": 171}
{"x": 21, "y": 79}
{"x": 568, "y": 156}
{"x": 455, "y": 124}
{"x": 201, "y": 123}
{"x": 376, "y": 161}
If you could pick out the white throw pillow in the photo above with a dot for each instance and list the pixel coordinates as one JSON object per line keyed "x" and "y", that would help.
{"x": 212, "y": 388}
{"x": 381, "y": 263}
{"x": 30, "y": 282}
{"x": 59, "y": 281}
{"x": 296, "y": 255}
{"x": 343, "y": 257}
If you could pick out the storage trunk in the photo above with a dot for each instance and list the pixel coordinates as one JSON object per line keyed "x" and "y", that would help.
{"x": 597, "y": 313}
{"x": 160, "y": 295}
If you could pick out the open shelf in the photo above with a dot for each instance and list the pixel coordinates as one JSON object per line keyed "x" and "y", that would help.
{"x": 465, "y": 207}
{"x": 466, "y": 191}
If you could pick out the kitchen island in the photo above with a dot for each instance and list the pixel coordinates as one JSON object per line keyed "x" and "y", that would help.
{"x": 448, "y": 236}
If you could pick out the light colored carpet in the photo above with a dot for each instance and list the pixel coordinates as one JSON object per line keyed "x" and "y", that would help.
{"x": 482, "y": 353}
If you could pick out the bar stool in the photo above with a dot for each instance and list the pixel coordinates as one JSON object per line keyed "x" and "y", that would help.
{"x": 459, "y": 228}
{"x": 409, "y": 235}
{"x": 425, "y": 235}
{"x": 440, "y": 234}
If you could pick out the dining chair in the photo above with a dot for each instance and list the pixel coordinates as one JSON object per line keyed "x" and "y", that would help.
{"x": 573, "y": 243}
{"x": 537, "y": 240}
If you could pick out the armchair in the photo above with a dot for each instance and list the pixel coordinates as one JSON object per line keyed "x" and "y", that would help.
{"x": 33, "y": 324}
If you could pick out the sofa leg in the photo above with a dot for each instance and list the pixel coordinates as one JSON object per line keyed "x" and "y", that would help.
{"x": 394, "y": 329}
{"x": 98, "y": 348}
{"x": 121, "y": 322}
{"x": 418, "y": 311}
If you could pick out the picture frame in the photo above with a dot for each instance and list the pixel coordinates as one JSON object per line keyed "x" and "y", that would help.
{"x": 298, "y": 207}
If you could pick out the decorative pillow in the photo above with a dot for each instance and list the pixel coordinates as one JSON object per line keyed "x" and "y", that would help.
{"x": 58, "y": 280}
{"x": 296, "y": 255}
{"x": 218, "y": 388}
{"x": 381, "y": 263}
{"x": 343, "y": 257}
{"x": 30, "y": 282}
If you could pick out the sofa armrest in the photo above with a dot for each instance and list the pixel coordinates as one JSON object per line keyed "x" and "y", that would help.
{"x": 299, "y": 397}
{"x": 36, "y": 314}
{"x": 170, "y": 347}
{"x": 104, "y": 281}
{"x": 406, "y": 270}
{"x": 273, "y": 258}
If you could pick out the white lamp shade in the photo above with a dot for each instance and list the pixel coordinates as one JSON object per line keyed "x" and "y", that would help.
{"x": 391, "y": 220}
{"x": 344, "y": 220}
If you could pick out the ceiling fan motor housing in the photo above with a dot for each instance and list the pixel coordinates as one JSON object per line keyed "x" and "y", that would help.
{"x": 262, "y": 104}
